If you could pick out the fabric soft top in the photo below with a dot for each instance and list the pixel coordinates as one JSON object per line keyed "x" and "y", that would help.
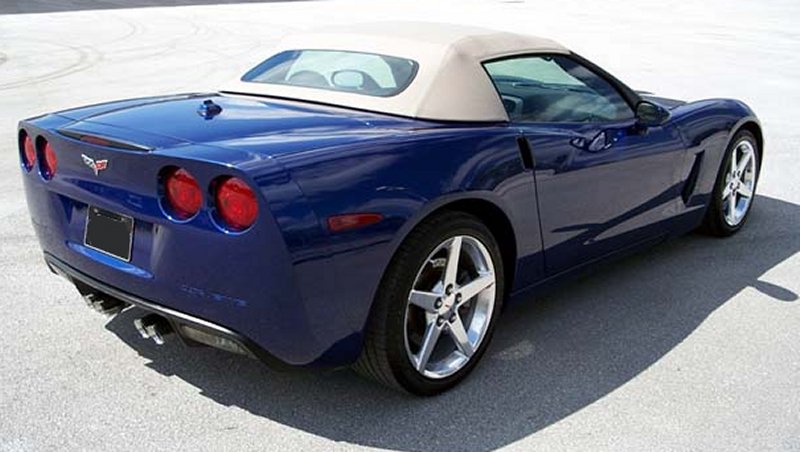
{"x": 450, "y": 85}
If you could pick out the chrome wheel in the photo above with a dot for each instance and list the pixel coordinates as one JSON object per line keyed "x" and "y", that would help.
{"x": 740, "y": 183}
{"x": 450, "y": 307}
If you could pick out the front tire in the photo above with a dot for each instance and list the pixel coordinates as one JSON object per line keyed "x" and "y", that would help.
{"x": 735, "y": 188}
{"x": 436, "y": 307}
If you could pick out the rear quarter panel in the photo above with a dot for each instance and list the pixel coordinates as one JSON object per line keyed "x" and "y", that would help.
{"x": 405, "y": 177}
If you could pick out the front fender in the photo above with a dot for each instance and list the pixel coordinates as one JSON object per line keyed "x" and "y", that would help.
{"x": 707, "y": 127}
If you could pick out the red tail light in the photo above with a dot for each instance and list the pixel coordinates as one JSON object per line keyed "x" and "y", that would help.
{"x": 28, "y": 152}
{"x": 183, "y": 193}
{"x": 236, "y": 204}
{"x": 49, "y": 161}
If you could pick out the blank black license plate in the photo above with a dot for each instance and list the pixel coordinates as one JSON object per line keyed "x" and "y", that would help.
{"x": 109, "y": 232}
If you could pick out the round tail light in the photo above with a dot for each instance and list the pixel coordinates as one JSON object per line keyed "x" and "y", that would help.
{"x": 28, "y": 152}
{"x": 49, "y": 160}
{"x": 236, "y": 203}
{"x": 183, "y": 193}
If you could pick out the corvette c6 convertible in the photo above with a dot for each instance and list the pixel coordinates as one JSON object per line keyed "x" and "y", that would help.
{"x": 373, "y": 196}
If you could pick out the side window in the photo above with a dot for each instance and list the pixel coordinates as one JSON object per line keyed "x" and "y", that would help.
{"x": 555, "y": 89}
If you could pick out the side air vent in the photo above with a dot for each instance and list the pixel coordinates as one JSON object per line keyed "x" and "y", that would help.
{"x": 98, "y": 140}
{"x": 691, "y": 180}
{"x": 525, "y": 153}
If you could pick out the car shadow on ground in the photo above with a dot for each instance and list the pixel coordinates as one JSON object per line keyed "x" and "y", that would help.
{"x": 548, "y": 359}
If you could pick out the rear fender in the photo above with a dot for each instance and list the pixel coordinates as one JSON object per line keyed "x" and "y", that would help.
{"x": 405, "y": 178}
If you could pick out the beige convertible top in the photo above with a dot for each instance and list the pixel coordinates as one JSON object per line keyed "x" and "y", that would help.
{"x": 450, "y": 84}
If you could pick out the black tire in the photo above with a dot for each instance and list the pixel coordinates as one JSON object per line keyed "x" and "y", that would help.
{"x": 714, "y": 222}
{"x": 384, "y": 357}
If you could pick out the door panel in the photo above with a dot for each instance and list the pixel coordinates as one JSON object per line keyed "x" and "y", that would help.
{"x": 603, "y": 182}
{"x": 601, "y": 189}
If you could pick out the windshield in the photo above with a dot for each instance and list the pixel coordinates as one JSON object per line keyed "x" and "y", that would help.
{"x": 353, "y": 72}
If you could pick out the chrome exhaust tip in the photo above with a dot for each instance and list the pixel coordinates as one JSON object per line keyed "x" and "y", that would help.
{"x": 153, "y": 326}
{"x": 104, "y": 305}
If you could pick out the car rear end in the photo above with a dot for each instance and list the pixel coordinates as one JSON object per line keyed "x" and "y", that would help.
{"x": 181, "y": 230}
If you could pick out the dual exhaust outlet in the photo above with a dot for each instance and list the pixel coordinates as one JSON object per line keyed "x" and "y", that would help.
{"x": 104, "y": 305}
{"x": 151, "y": 326}
{"x": 157, "y": 327}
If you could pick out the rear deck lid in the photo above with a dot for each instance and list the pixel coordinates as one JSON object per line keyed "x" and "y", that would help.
{"x": 216, "y": 119}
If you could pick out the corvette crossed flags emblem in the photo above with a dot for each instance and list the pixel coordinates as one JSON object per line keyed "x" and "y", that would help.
{"x": 95, "y": 165}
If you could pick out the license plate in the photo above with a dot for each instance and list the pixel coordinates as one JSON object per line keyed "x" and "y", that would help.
{"x": 110, "y": 233}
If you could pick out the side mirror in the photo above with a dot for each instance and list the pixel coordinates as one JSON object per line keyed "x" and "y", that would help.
{"x": 649, "y": 114}
{"x": 348, "y": 79}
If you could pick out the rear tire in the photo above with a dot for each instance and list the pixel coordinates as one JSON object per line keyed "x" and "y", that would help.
{"x": 454, "y": 306}
{"x": 734, "y": 190}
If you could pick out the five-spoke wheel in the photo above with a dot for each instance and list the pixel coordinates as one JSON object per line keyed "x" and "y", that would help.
{"x": 740, "y": 182}
{"x": 449, "y": 306}
{"x": 735, "y": 187}
{"x": 436, "y": 306}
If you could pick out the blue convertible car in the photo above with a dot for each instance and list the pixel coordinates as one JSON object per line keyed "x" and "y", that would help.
{"x": 373, "y": 196}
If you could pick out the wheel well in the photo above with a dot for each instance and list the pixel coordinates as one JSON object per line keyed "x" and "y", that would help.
{"x": 755, "y": 129}
{"x": 500, "y": 226}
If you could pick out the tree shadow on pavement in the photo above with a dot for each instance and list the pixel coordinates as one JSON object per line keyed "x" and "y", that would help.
{"x": 548, "y": 359}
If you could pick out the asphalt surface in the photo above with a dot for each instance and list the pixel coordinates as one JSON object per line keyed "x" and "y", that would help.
{"x": 691, "y": 346}
{"x": 51, "y": 6}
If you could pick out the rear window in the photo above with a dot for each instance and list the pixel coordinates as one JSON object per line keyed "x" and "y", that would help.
{"x": 353, "y": 72}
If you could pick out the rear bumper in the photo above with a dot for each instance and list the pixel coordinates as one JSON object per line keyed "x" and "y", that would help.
{"x": 178, "y": 320}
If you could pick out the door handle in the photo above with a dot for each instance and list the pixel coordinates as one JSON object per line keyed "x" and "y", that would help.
{"x": 598, "y": 143}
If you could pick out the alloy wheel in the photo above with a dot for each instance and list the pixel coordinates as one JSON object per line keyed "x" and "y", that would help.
{"x": 740, "y": 182}
{"x": 450, "y": 307}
